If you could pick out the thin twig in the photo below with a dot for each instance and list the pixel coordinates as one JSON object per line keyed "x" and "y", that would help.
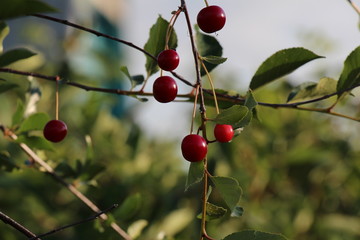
{"x": 70, "y": 187}
{"x": 8, "y": 220}
{"x": 356, "y": 7}
{"x": 76, "y": 223}
{"x": 99, "y": 34}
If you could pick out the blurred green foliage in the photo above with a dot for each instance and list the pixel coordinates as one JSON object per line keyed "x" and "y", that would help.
{"x": 299, "y": 171}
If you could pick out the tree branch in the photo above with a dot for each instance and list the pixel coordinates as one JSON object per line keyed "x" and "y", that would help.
{"x": 70, "y": 187}
{"x": 8, "y": 220}
{"x": 355, "y": 7}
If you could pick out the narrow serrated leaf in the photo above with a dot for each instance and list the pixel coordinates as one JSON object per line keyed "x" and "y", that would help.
{"x": 35, "y": 121}
{"x": 229, "y": 190}
{"x": 195, "y": 174}
{"x": 350, "y": 75}
{"x": 15, "y": 55}
{"x": 207, "y": 46}
{"x": 214, "y": 59}
{"x": 310, "y": 90}
{"x": 280, "y": 64}
{"x": 156, "y": 43}
{"x": 232, "y": 115}
{"x": 254, "y": 235}
{"x": 17, "y": 8}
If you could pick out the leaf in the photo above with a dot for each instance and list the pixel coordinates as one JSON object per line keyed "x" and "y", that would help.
{"x": 134, "y": 80}
{"x": 310, "y": 90}
{"x": 280, "y": 64}
{"x": 156, "y": 43}
{"x": 17, "y": 8}
{"x": 35, "y": 121}
{"x": 232, "y": 115}
{"x": 350, "y": 76}
{"x": 35, "y": 142}
{"x": 229, "y": 190}
{"x": 254, "y": 235}
{"x": 129, "y": 208}
{"x": 195, "y": 175}
{"x": 213, "y": 212}
{"x": 250, "y": 103}
{"x": 136, "y": 228}
{"x": 65, "y": 170}
{"x": 90, "y": 171}
{"x": 7, "y": 86}
{"x": 208, "y": 46}
{"x": 19, "y": 113}
{"x": 4, "y": 31}
{"x": 214, "y": 59}
{"x": 14, "y": 55}
{"x": 6, "y": 163}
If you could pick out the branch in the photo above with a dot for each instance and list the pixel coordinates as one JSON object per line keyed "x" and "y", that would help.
{"x": 99, "y": 34}
{"x": 70, "y": 187}
{"x": 8, "y": 220}
{"x": 356, "y": 7}
{"x": 76, "y": 223}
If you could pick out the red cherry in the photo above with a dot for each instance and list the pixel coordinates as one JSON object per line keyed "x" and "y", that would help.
{"x": 223, "y": 132}
{"x": 55, "y": 130}
{"x": 165, "y": 89}
{"x": 194, "y": 148}
{"x": 211, "y": 19}
{"x": 168, "y": 60}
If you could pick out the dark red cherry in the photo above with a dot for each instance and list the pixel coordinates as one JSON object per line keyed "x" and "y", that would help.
{"x": 55, "y": 130}
{"x": 168, "y": 60}
{"x": 211, "y": 19}
{"x": 165, "y": 89}
{"x": 194, "y": 148}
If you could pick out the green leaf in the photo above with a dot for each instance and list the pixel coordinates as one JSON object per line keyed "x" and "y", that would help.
{"x": 254, "y": 235}
{"x": 232, "y": 115}
{"x": 90, "y": 170}
{"x": 213, "y": 212}
{"x": 229, "y": 190}
{"x": 7, "y": 86}
{"x": 195, "y": 175}
{"x": 35, "y": 142}
{"x": 310, "y": 90}
{"x": 129, "y": 208}
{"x": 214, "y": 59}
{"x": 4, "y": 31}
{"x": 36, "y": 121}
{"x": 19, "y": 113}
{"x": 250, "y": 103}
{"x": 156, "y": 43}
{"x": 208, "y": 46}
{"x": 280, "y": 64}
{"x": 17, "y": 8}
{"x": 65, "y": 170}
{"x": 14, "y": 55}
{"x": 135, "y": 79}
{"x": 6, "y": 163}
{"x": 350, "y": 76}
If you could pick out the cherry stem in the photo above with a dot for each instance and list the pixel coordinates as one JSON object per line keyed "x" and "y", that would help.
{"x": 194, "y": 109}
{"x": 212, "y": 86}
{"x": 57, "y": 98}
{"x": 356, "y": 7}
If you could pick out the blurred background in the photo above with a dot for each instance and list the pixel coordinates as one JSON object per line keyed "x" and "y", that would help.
{"x": 300, "y": 171}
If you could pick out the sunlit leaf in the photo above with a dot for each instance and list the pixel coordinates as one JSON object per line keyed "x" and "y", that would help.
{"x": 35, "y": 142}
{"x": 229, "y": 190}
{"x": 4, "y": 31}
{"x": 18, "y": 8}
{"x": 136, "y": 228}
{"x": 15, "y": 55}
{"x": 208, "y": 46}
{"x": 350, "y": 76}
{"x": 254, "y": 235}
{"x": 232, "y": 115}
{"x": 195, "y": 174}
{"x": 310, "y": 90}
{"x": 280, "y": 64}
{"x": 156, "y": 43}
{"x": 36, "y": 121}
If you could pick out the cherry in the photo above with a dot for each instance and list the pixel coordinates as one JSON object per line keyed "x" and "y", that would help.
{"x": 168, "y": 60}
{"x": 211, "y": 19}
{"x": 223, "y": 132}
{"x": 165, "y": 89}
{"x": 194, "y": 148}
{"x": 55, "y": 130}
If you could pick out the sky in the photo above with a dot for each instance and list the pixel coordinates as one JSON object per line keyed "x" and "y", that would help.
{"x": 254, "y": 30}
